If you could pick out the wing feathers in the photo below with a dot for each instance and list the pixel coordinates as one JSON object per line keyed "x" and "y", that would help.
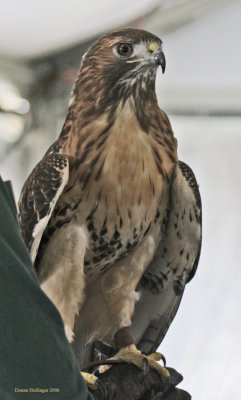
{"x": 173, "y": 265}
{"x": 39, "y": 197}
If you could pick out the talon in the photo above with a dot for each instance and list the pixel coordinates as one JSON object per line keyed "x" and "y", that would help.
{"x": 157, "y": 357}
{"x": 159, "y": 368}
{"x": 163, "y": 358}
{"x": 91, "y": 380}
{"x": 130, "y": 354}
{"x": 145, "y": 365}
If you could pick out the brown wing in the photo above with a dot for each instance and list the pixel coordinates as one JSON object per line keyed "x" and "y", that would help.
{"x": 173, "y": 265}
{"x": 39, "y": 196}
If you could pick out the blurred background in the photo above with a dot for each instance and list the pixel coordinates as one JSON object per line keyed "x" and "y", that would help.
{"x": 41, "y": 43}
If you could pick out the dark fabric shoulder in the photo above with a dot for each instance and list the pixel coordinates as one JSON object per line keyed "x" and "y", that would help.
{"x": 35, "y": 353}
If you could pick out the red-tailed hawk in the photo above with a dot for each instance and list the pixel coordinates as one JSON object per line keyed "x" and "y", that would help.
{"x": 110, "y": 215}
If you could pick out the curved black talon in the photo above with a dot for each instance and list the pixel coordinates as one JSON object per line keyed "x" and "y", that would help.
{"x": 146, "y": 366}
{"x": 163, "y": 358}
{"x": 98, "y": 363}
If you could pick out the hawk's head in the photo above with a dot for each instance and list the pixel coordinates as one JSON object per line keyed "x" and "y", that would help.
{"x": 124, "y": 56}
{"x": 118, "y": 67}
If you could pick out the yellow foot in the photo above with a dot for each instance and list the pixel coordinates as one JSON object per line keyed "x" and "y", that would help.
{"x": 132, "y": 355}
{"x": 90, "y": 379}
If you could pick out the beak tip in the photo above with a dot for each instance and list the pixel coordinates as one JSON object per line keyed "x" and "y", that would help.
{"x": 163, "y": 62}
{"x": 160, "y": 60}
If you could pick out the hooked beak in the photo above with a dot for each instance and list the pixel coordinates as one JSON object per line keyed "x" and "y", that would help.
{"x": 158, "y": 58}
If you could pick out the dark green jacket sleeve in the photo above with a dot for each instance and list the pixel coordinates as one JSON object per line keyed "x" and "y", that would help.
{"x": 36, "y": 360}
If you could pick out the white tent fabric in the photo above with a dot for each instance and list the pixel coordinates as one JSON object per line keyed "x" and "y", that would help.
{"x": 204, "y": 64}
{"x": 31, "y": 28}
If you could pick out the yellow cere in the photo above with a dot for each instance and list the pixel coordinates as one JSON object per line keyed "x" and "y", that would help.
{"x": 153, "y": 46}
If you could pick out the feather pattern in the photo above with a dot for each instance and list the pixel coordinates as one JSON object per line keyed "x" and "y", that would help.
{"x": 39, "y": 197}
{"x": 162, "y": 285}
{"x": 109, "y": 207}
{"x": 174, "y": 264}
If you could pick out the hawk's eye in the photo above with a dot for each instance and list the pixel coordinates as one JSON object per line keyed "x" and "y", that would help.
{"x": 124, "y": 49}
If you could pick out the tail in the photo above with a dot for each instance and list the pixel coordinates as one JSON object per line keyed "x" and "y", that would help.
{"x": 84, "y": 350}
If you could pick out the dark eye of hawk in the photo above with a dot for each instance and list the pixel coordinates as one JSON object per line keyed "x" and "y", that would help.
{"x": 124, "y": 49}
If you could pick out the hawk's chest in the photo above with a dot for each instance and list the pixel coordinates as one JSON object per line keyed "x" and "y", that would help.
{"x": 126, "y": 202}
{"x": 129, "y": 176}
{"x": 119, "y": 193}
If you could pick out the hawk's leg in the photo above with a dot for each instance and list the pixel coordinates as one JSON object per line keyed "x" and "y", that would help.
{"x": 65, "y": 282}
{"x": 118, "y": 284}
{"x": 118, "y": 288}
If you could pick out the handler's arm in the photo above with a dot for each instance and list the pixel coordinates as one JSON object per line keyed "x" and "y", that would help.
{"x": 36, "y": 360}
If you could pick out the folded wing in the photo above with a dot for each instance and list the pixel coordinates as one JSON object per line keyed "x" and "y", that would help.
{"x": 173, "y": 265}
{"x": 39, "y": 197}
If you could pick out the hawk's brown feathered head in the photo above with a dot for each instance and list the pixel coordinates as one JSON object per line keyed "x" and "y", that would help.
{"x": 119, "y": 67}
{"x": 120, "y": 64}
{"x": 126, "y": 52}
